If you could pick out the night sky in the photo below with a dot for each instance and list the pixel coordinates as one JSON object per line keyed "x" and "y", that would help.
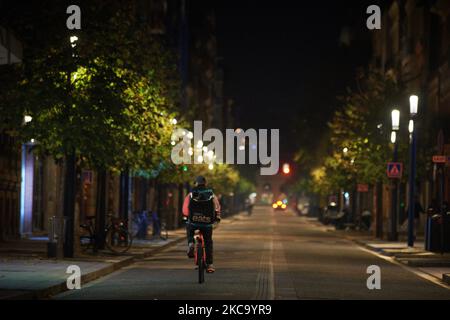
{"x": 286, "y": 61}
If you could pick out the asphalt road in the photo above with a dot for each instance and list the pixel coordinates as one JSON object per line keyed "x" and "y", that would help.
{"x": 270, "y": 255}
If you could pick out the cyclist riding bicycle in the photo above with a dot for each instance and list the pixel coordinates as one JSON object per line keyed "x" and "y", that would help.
{"x": 201, "y": 208}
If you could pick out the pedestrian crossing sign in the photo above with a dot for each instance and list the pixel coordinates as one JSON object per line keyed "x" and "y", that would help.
{"x": 395, "y": 170}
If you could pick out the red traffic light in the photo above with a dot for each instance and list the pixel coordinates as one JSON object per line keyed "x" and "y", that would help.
{"x": 286, "y": 168}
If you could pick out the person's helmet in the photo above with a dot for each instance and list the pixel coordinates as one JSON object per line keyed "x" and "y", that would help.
{"x": 200, "y": 181}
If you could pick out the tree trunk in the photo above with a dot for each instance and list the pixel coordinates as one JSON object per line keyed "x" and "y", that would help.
{"x": 379, "y": 210}
{"x": 180, "y": 203}
{"x": 144, "y": 194}
{"x": 100, "y": 211}
{"x": 69, "y": 204}
{"x": 124, "y": 194}
{"x": 159, "y": 204}
{"x": 78, "y": 206}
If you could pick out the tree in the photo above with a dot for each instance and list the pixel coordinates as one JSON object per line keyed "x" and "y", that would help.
{"x": 104, "y": 101}
{"x": 360, "y": 134}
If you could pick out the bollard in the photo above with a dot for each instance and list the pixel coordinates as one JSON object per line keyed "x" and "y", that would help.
{"x": 55, "y": 234}
{"x": 53, "y": 238}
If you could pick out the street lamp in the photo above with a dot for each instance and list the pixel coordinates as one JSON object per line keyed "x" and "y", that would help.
{"x": 413, "y": 105}
{"x": 395, "y": 117}
{"x": 70, "y": 181}
{"x": 27, "y": 119}
{"x": 395, "y": 114}
{"x": 73, "y": 41}
{"x": 393, "y": 137}
{"x": 411, "y": 126}
{"x": 413, "y": 110}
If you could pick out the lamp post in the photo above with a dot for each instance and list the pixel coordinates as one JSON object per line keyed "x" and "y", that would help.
{"x": 70, "y": 180}
{"x": 395, "y": 117}
{"x": 413, "y": 110}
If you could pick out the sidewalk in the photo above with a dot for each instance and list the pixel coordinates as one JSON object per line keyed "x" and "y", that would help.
{"x": 26, "y": 273}
{"x": 434, "y": 264}
{"x": 33, "y": 276}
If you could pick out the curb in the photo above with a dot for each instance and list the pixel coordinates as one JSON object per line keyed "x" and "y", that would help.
{"x": 368, "y": 247}
{"x": 446, "y": 278}
{"x": 424, "y": 263}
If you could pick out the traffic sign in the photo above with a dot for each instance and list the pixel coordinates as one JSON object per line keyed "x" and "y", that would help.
{"x": 363, "y": 188}
{"x": 395, "y": 170}
{"x": 439, "y": 159}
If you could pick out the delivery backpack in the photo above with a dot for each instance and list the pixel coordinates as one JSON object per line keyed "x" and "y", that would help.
{"x": 201, "y": 206}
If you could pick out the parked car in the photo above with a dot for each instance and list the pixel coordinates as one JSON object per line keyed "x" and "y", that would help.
{"x": 332, "y": 215}
{"x": 280, "y": 205}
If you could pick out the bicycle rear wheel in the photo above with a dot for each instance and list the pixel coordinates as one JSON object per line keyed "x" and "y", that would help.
{"x": 201, "y": 264}
{"x": 87, "y": 240}
{"x": 118, "y": 240}
{"x": 164, "y": 233}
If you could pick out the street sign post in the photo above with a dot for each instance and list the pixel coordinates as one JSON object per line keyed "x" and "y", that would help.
{"x": 395, "y": 170}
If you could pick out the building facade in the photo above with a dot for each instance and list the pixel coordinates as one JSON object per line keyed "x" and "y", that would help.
{"x": 32, "y": 187}
{"x": 10, "y": 173}
{"x": 413, "y": 44}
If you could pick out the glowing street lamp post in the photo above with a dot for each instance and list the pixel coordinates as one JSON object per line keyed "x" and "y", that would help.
{"x": 413, "y": 105}
{"x": 393, "y": 236}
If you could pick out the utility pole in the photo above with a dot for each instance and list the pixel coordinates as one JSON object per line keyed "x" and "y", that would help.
{"x": 414, "y": 102}
{"x": 70, "y": 176}
{"x": 393, "y": 235}
{"x": 394, "y": 209}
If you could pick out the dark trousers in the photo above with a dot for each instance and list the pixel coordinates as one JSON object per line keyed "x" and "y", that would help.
{"x": 207, "y": 232}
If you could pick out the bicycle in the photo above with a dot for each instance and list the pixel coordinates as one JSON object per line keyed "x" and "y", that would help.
{"x": 88, "y": 240}
{"x": 142, "y": 220}
{"x": 117, "y": 238}
{"x": 164, "y": 233}
{"x": 139, "y": 224}
{"x": 200, "y": 251}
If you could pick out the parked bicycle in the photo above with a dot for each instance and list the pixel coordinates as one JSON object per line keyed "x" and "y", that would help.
{"x": 142, "y": 220}
{"x": 164, "y": 233}
{"x": 117, "y": 238}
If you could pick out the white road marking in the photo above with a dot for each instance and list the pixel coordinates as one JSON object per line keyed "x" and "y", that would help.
{"x": 271, "y": 273}
{"x": 265, "y": 280}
